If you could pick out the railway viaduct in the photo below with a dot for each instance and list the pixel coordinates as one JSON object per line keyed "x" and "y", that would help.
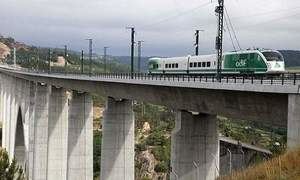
{"x": 47, "y": 120}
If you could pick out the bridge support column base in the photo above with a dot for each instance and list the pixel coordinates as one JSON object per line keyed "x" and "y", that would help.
{"x": 195, "y": 147}
{"x": 293, "y": 131}
{"x": 117, "y": 155}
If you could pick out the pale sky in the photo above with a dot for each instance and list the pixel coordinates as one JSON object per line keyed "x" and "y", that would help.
{"x": 166, "y": 26}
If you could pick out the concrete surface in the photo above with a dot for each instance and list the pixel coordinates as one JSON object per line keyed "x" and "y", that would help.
{"x": 80, "y": 137}
{"x": 195, "y": 147}
{"x": 249, "y": 101}
{"x": 117, "y": 150}
{"x": 40, "y": 139}
{"x": 58, "y": 134}
{"x": 293, "y": 127}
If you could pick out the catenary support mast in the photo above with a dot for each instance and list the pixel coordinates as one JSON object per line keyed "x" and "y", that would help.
{"x": 219, "y": 39}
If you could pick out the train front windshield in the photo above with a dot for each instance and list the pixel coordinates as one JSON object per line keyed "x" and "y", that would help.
{"x": 273, "y": 56}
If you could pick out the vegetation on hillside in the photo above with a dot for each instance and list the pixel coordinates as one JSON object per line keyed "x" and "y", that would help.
{"x": 9, "y": 170}
{"x": 259, "y": 134}
{"x": 155, "y": 145}
{"x": 283, "y": 167}
{"x": 38, "y": 58}
{"x": 291, "y": 57}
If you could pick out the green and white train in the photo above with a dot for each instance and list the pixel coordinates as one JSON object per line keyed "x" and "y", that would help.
{"x": 240, "y": 62}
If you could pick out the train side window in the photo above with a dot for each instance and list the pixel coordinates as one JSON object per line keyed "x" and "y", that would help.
{"x": 166, "y": 65}
{"x": 203, "y": 64}
{"x": 169, "y": 65}
{"x": 191, "y": 64}
{"x": 195, "y": 64}
{"x": 199, "y": 64}
{"x": 243, "y": 56}
{"x": 208, "y": 64}
{"x": 173, "y": 65}
{"x": 176, "y": 65}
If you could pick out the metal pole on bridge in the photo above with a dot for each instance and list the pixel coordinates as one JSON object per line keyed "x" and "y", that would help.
{"x": 49, "y": 60}
{"x": 197, "y": 34}
{"x": 139, "y": 55}
{"x": 132, "y": 50}
{"x": 105, "y": 58}
{"x": 66, "y": 54}
{"x": 90, "y": 55}
{"x": 219, "y": 39}
{"x": 82, "y": 61}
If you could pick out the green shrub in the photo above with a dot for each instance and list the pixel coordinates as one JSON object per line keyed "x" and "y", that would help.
{"x": 156, "y": 138}
{"x": 146, "y": 178}
{"x": 161, "y": 167}
{"x": 97, "y": 152}
{"x": 9, "y": 170}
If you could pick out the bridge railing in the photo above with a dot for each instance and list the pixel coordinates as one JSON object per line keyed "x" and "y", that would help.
{"x": 279, "y": 79}
{"x": 283, "y": 79}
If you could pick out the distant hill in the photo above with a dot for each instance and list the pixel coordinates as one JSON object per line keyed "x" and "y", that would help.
{"x": 127, "y": 60}
{"x": 29, "y": 56}
{"x": 292, "y": 57}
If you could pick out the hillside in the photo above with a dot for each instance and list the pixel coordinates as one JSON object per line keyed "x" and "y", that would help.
{"x": 4, "y": 51}
{"x": 285, "y": 167}
{"x": 292, "y": 57}
{"x": 33, "y": 57}
{"x": 127, "y": 60}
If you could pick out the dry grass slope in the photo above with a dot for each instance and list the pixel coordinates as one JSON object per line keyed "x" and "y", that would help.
{"x": 284, "y": 167}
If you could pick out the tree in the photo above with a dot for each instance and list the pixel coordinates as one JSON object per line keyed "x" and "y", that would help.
{"x": 9, "y": 170}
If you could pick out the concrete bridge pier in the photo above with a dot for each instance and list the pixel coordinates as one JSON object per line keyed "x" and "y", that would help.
{"x": 38, "y": 166}
{"x": 117, "y": 155}
{"x": 195, "y": 147}
{"x": 293, "y": 127}
{"x": 80, "y": 137}
{"x": 57, "y": 134}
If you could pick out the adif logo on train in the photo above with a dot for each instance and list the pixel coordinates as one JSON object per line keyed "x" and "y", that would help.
{"x": 241, "y": 63}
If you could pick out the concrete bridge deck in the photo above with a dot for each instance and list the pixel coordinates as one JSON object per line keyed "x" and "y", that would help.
{"x": 277, "y": 85}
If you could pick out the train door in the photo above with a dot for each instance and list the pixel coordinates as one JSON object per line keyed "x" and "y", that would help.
{"x": 163, "y": 66}
{"x": 188, "y": 64}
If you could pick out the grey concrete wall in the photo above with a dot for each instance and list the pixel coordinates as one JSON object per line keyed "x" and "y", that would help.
{"x": 3, "y": 110}
{"x": 195, "y": 147}
{"x": 58, "y": 134}
{"x": 117, "y": 149}
{"x": 80, "y": 137}
{"x": 30, "y": 135}
{"x": 40, "y": 139}
{"x": 293, "y": 132}
{"x": 51, "y": 140}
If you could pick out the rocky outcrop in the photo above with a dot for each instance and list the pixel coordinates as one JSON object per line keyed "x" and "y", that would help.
{"x": 4, "y": 51}
{"x": 146, "y": 162}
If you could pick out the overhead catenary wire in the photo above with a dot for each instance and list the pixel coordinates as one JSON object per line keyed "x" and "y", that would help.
{"x": 232, "y": 28}
{"x": 228, "y": 29}
{"x": 176, "y": 16}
